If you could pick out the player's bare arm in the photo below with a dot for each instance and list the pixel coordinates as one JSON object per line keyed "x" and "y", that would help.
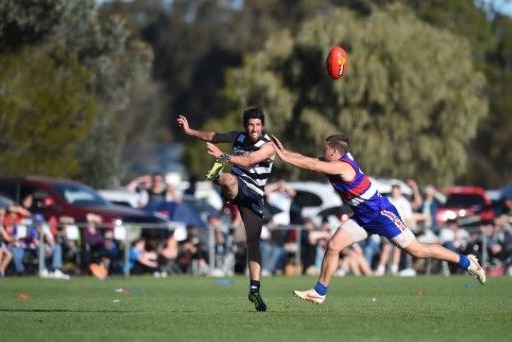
{"x": 265, "y": 152}
{"x": 185, "y": 127}
{"x": 332, "y": 167}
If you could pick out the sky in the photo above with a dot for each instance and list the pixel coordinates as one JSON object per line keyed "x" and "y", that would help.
{"x": 503, "y": 6}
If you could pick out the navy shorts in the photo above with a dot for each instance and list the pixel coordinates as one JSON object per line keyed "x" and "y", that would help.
{"x": 247, "y": 197}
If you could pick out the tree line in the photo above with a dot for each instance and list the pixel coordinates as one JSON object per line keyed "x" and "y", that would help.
{"x": 426, "y": 95}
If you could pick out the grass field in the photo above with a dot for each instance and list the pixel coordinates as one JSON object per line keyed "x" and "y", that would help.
{"x": 183, "y": 308}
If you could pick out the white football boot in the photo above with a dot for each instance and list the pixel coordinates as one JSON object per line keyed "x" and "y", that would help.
{"x": 476, "y": 270}
{"x": 310, "y": 295}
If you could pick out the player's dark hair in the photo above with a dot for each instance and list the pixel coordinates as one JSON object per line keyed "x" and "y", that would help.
{"x": 339, "y": 143}
{"x": 253, "y": 113}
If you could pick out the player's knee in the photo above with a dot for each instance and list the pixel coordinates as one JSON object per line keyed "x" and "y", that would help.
{"x": 417, "y": 250}
{"x": 228, "y": 179}
{"x": 334, "y": 246}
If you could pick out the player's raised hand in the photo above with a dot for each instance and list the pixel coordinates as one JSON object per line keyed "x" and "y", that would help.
{"x": 278, "y": 147}
{"x": 183, "y": 123}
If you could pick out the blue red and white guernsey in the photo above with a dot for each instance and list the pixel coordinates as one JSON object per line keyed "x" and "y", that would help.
{"x": 360, "y": 194}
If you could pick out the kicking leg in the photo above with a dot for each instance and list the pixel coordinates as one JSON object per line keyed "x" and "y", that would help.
{"x": 229, "y": 185}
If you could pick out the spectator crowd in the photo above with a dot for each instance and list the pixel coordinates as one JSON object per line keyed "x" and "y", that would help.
{"x": 60, "y": 248}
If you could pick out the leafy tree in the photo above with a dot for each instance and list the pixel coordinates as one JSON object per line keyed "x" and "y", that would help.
{"x": 27, "y": 22}
{"x": 411, "y": 101}
{"x": 44, "y": 110}
{"x": 489, "y": 34}
{"x": 118, "y": 61}
{"x": 491, "y": 160}
{"x": 104, "y": 47}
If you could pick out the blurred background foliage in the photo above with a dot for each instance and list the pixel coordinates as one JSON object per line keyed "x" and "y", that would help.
{"x": 427, "y": 95}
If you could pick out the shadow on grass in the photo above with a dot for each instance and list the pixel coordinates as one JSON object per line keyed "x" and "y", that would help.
{"x": 62, "y": 310}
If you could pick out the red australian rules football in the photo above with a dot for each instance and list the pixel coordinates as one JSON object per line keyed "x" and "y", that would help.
{"x": 337, "y": 62}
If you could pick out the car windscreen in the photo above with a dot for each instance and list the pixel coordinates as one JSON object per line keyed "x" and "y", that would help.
{"x": 463, "y": 201}
{"x": 5, "y": 202}
{"x": 80, "y": 195}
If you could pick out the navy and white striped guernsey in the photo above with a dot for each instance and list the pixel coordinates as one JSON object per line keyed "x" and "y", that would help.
{"x": 254, "y": 176}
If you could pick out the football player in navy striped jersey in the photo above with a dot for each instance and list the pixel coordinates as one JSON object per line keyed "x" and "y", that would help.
{"x": 251, "y": 164}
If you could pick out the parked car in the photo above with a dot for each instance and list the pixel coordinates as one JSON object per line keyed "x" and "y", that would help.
{"x": 192, "y": 211}
{"x": 5, "y": 202}
{"x": 61, "y": 197}
{"x": 121, "y": 197}
{"x": 312, "y": 198}
{"x": 467, "y": 204}
{"x": 384, "y": 186}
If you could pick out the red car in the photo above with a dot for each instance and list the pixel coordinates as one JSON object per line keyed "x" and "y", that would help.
{"x": 467, "y": 204}
{"x": 60, "y": 197}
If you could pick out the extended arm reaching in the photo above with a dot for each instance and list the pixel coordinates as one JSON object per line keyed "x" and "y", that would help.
{"x": 330, "y": 167}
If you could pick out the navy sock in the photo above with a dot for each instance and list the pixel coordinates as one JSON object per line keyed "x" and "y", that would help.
{"x": 321, "y": 289}
{"x": 463, "y": 262}
{"x": 254, "y": 286}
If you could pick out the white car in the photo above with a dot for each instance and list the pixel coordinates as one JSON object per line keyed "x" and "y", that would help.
{"x": 314, "y": 197}
{"x": 384, "y": 186}
{"x": 318, "y": 199}
{"x": 205, "y": 191}
{"x": 121, "y": 197}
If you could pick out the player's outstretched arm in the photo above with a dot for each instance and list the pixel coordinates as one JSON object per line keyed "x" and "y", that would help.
{"x": 185, "y": 127}
{"x": 307, "y": 163}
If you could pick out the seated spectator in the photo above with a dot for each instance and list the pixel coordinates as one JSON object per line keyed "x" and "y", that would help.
{"x": 312, "y": 245}
{"x": 231, "y": 215}
{"x": 101, "y": 252}
{"x": 5, "y": 254}
{"x": 68, "y": 234}
{"x": 27, "y": 235}
{"x": 51, "y": 248}
{"x": 12, "y": 242}
{"x": 454, "y": 238}
{"x": 111, "y": 255}
{"x": 221, "y": 234}
{"x": 93, "y": 241}
{"x": 168, "y": 252}
{"x": 194, "y": 249}
{"x": 498, "y": 238}
{"x": 141, "y": 260}
{"x": 280, "y": 195}
{"x": 504, "y": 220}
{"x": 372, "y": 249}
{"x": 15, "y": 234}
{"x": 353, "y": 262}
{"x": 182, "y": 253}
{"x": 273, "y": 253}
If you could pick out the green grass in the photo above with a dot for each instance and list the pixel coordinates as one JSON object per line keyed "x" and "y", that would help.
{"x": 183, "y": 308}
